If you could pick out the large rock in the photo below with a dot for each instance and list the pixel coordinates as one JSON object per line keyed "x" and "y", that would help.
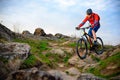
{"x": 6, "y": 33}
{"x": 59, "y": 75}
{"x": 73, "y": 71}
{"x": 39, "y": 32}
{"x": 59, "y": 35}
{"x": 57, "y": 51}
{"x": 76, "y": 62}
{"x": 36, "y": 74}
{"x": 26, "y": 33}
{"x": 88, "y": 76}
{"x": 32, "y": 74}
{"x": 73, "y": 60}
{"x": 11, "y": 57}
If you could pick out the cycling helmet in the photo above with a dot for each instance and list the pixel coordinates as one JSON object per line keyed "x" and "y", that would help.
{"x": 89, "y": 11}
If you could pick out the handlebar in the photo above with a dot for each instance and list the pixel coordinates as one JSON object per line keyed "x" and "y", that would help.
{"x": 83, "y": 28}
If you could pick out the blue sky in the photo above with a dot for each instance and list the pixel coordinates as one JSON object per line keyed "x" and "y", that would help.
{"x": 61, "y": 16}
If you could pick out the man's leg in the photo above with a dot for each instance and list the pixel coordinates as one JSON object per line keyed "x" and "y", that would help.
{"x": 90, "y": 34}
{"x": 94, "y": 35}
{"x": 94, "y": 30}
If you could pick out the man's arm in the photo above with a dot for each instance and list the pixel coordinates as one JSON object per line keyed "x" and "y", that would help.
{"x": 83, "y": 22}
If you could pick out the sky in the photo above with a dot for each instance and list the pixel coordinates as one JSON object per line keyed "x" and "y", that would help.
{"x": 61, "y": 16}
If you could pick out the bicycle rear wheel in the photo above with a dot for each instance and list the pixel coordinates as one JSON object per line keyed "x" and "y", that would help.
{"x": 99, "y": 48}
{"x": 81, "y": 48}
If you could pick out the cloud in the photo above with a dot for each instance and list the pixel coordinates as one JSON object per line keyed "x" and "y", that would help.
{"x": 62, "y": 4}
{"x": 96, "y": 4}
{"x": 65, "y": 3}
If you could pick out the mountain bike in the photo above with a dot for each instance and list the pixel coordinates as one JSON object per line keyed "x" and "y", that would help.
{"x": 83, "y": 44}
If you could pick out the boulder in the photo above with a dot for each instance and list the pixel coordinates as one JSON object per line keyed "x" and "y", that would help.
{"x": 59, "y": 75}
{"x": 77, "y": 62}
{"x": 58, "y": 51}
{"x": 26, "y": 33}
{"x": 88, "y": 76}
{"x": 11, "y": 57}
{"x": 73, "y": 60}
{"x": 58, "y": 35}
{"x": 31, "y": 74}
{"x": 39, "y": 32}
{"x": 6, "y": 33}
{"x": 49, "y": 35}
{"x": 73, "y": 71}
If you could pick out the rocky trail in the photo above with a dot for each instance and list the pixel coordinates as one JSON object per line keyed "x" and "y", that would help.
{"x": 42, "y": 56}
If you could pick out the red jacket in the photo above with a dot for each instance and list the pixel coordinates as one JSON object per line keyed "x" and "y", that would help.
{"x": 94, "y": 20}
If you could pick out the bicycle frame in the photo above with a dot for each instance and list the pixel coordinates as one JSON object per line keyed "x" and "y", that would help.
{"x": 88, "y": 37}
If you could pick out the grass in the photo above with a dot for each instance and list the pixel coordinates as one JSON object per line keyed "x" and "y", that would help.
{"x": 103, "y": 64}
{"x": 29, "y": 62}
{"x": 58, "y": 59}
{"x": 72, "y": 44}
{"x": 54, "y": 57}
{"x": 67, "y": 57}
{"x": 37, "y": 60}
{"x": 4, "y": 60}
{"x": 36, "y": 45}
{"x": 95, "y": 58}
{"x": 45, "y": 60}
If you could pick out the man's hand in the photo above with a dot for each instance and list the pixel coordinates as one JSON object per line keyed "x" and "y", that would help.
{"x": 77, "y": 28}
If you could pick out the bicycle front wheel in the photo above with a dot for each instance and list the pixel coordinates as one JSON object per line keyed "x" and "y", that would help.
{"x": 100, "y": 47}
{"x": 81, "y": 48}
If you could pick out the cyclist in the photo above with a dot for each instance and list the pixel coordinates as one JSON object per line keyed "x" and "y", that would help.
{"x": 94, "y": 20}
